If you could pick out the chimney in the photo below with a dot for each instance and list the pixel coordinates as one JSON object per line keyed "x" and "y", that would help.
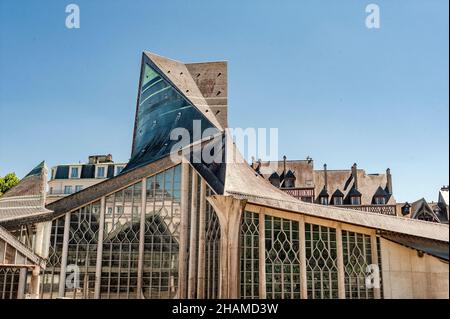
{"x": 389, "y": 181}
{"x": 284, "y": 165}
{"x": 355, "y": 175}
{"x": 326, "y": 176}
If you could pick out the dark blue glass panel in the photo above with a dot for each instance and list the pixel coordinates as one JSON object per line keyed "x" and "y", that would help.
{"x": 161, "y": 108}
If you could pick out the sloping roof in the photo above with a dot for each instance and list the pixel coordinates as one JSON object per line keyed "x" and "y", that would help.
{"x": 21, "y": 248}
{"x": 380, "y": 192}
{"x": 432, "y": 247}
{"x": 178, "y": 73}
{"x": 337, "y": 193}
{"x": 323, "y": 193}
{"x": 242, "y": 182}
{"x": 354, "y": 192}
{"x": 27, "y": 198}
{"x": 343, "y": 180}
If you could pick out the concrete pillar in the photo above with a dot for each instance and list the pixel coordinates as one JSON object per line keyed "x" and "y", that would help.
{"x": 302, "y": 254}
{"x": 229, "y": 212}
{"x": 340, "y": 263}
{"x": 262, "y": 256}
{"x": 184, "y": 235}
{"x": 140, "y": 294}
{"x": 201, "y": 242}
{"x": 22, "y": 283}
{"x": 98, "y": 263}
{"x": 62, "y": 277}
{"x": 192, "y": 271}
{"x": 34, "y": 282}
{"x": 374, "y": 251}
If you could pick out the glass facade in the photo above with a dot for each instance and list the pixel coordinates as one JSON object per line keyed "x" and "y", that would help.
{"x": 162, "y": 234}
{"x": 321, "y": 268}
{"x": 357, "y": 256}
{"x": 250, "y": 256}
{"x": 82, "y": 251}
{"x": 121, "y": 243}
{"x": 282, "y": 258}
{"x": 119, "y": 271}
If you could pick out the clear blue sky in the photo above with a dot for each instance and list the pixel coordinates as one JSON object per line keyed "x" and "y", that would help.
{"x": 337, "y": 91}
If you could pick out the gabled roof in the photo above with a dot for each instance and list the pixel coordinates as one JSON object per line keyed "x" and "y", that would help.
{"x": 274, "y": 175}
{"x": 27, "y": 198}
{"x": 380, "y": 192}
{"x": 354, "y": 192}
{"x": 289, "y": 174}
{"x": 323, "y": 193}
{"x": 337, "y": 193}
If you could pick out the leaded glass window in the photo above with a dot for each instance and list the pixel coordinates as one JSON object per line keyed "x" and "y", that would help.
{"x": 9, "y": 282}
{"x": 121, "y": 243}
{"x": 51, "y": 273}
{"x": 162, "y": 234}
{"x": 250, "y": 256}
{"x": 357, "y": 256}
{"x": 212, "y": 250}
{"x": 321, "y": 268}
{"x": 282, "y": 258}
{"x": 82, "y": 250}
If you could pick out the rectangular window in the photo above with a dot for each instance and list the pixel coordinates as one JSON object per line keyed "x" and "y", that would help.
{"x": 380, "y": 200}
{"x": 324, "y": 200}
{"x": 67, "y": 189}
{"x": 355, "y": 200}
{"x": 119, "y": 169}
{"x": 337, "y": 200}
{"x": 74, "y": 172}
{"x": 78, "y": 188}
{"x": 100, "y": 172}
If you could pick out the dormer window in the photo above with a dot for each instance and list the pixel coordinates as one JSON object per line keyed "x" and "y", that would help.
{"x": 406, "y": 209}
{"x": 274, "y": 179}
{"x": 323, "y": 197}
{"x": 354, "y": 197}
{"x": 289, "y": 180}
{"x": 101, "y": 172}
{"x": 355, "y": 200}
{"x": 74, "y": 172}
{"x": 338, "y": 201}
{"x": 337, "y": 198}
{"x": 380, "y": 197}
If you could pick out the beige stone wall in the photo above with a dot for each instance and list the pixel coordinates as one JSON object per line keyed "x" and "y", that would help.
{"x": 406, "y": 275}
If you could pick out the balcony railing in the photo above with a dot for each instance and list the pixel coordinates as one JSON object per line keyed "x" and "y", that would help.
{"x": 379, "y": 209}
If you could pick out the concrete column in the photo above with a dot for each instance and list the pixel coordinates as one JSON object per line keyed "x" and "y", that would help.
{"x": 374, "y": 251}
{"x": 192, "y": 271}
{"x": 22, "y": 283}
{"x": 262, "y": 256}
{"x": 34, "y": 283}
{"x": 340, "y": 263}
{"x": 229, "y": 212}
{"x": 201, "y": 242}
{"x": 98, "y": 263}
{"x": 302, "y": 254}
{"x": 42, "y": 241}
{"x": 140, "y": 294}
{"x": 184, "y": 235}
{"x": 62, "y": 277}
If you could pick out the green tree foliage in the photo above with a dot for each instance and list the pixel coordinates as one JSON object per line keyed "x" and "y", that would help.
{"x": 8, "y": 181}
